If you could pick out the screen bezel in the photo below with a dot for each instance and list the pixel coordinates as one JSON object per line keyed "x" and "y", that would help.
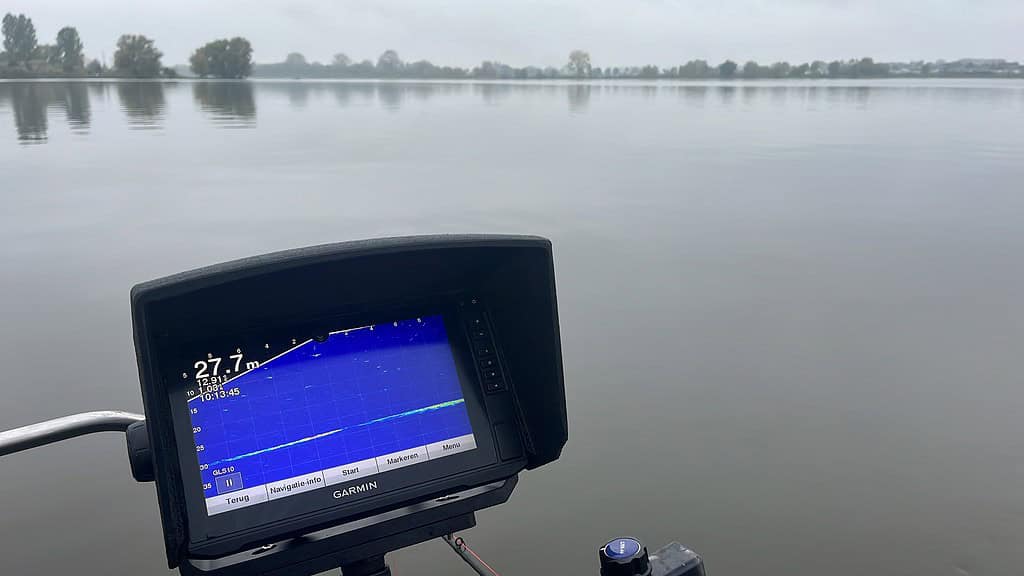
{"x": 319, "y": 506}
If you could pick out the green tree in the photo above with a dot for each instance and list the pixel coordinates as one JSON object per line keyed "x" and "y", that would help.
{"x": 389, "y": 63}
{"x": 341, "y": 60}
{"x": 199, "y": 62}
{"x": 695, "y": 69}
{"x": 45, "y": 53}
{"x": 19, "y": 39}
{"x": 68, "y": 50}
{"x": 863, "y": 67}
{"x": 727, "y": 69}
{"x": 835, "y": 68}
{"x": 800, "y": 71}
{"x": 649, "y": 71}
{"x": 239, "y": 57}
{"x": 780, "y": 69}
{"x": 94, "y": 68}
{"x": 751, "y": 70}
{"x": 423, "y": 69}
{"x": 486, "y": 69}
{"x": 9, "y": 40}
{"x": 362, "y": 69}
{"x": 137, "y": 56}
{"x": 579, "y": 63}
{"x": 868, "y": 67}
{"x": 223, "y": 58}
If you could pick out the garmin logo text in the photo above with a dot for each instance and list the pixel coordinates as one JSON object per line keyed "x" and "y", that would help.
{"x": 357, "y": 489}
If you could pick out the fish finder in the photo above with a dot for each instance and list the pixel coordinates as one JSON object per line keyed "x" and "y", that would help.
{"x": 317, "y": 408}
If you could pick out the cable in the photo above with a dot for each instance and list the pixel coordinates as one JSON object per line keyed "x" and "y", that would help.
{"x": 458, "y": 544}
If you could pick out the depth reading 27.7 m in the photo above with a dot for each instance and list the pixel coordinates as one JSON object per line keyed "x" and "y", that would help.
{"x": 210, "y": 380}
{"x": 345, "y": 405}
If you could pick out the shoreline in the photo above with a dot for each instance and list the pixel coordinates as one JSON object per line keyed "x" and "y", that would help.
{"x": 519, "y": 81}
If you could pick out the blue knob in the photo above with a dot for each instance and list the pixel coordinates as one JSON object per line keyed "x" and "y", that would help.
{"x": 622, "y": 548}
{"x": 624, "y": 557}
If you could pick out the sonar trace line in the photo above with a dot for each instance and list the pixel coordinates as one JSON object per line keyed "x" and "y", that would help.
{"x": 414, "y": 412}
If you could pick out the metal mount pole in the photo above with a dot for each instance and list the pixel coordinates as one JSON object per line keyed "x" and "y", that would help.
{"x": 58, "y": 429}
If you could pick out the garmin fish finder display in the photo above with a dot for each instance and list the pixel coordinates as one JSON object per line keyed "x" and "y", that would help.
{"x": 272, "y": 420}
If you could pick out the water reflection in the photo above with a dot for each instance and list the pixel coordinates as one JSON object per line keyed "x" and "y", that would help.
{"x": 727, "y": 94}
{"x": 749, "y": 94}
{"x": 492, "y": 94}
{"x": 694, "y": 95}
{"x": 234, "y": 104}
{"x": 30, "y": 103}
{"x": 391, "y": 95}
{"x": 862, "y": 94}
{"x": 298, "y": 94}
{"x": 77, "y": 106}
{"x": 579, "y": 97}
{"x": 228, "y": 104}
{"x": 350, "y": 94}
{"x": 143, "y": 104}
{"x": 388, "y": 95}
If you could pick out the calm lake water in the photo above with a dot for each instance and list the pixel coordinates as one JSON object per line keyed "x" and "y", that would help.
{"x": 792, "y": 314}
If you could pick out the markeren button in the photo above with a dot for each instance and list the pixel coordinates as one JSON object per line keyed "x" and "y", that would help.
{"x": 403, "y": 458}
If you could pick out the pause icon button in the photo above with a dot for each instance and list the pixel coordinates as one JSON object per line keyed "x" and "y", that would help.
{"x": 229, "y": 483}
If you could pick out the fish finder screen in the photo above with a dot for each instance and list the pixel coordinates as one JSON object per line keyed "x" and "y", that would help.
{"x": 274, "y": 420}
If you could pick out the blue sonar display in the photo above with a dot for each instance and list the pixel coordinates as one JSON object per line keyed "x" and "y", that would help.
{"x": 326, "y": 411}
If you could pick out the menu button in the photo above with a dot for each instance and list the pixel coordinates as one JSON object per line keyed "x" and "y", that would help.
{"x": 451, "y": 446}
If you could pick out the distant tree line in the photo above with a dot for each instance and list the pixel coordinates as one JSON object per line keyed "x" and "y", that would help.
{"x": 579, "y": 66}
{"x": 388, "y": 65}
{"x": 22, "y": 50}
{"x": 137, "y": 56}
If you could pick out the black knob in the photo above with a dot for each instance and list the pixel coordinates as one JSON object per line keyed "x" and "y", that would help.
{"x": 140, "y": 457}
{"x": 624, "y": 557}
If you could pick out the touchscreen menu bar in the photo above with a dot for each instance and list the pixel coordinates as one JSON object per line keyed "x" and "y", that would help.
{"x": 233, "y": 494}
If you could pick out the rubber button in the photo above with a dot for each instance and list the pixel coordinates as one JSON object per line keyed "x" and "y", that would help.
{"x": 509, "y": 445}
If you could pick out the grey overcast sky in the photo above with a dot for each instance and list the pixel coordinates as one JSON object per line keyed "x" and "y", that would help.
{"x": 521, "y": 32}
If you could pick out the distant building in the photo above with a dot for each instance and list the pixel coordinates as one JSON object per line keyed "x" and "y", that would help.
{"x": 984, "y": 66}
